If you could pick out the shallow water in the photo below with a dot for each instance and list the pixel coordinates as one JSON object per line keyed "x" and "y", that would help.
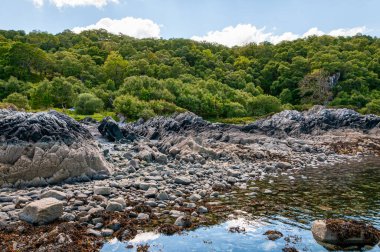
{"x": 349, "y": 190}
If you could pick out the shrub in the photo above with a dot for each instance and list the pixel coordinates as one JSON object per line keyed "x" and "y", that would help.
{"x": 88, "y": 104}
{"x": 19, "y": 100}
{"x": 263, "y": 104}
{"x": 373, "y": 107}
{"x": 234, "y": 109}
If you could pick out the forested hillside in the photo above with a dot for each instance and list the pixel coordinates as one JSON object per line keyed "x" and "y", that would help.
{"x": 96, "y": 71}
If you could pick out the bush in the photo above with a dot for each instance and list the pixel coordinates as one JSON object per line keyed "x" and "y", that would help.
{"x": 19, "y": 100}
{"x": 373, "y": 107}
{"x": 130, "y": 106}
{"x": 234, "y": 109}
{"x": 88, "y": 104}
{"x": 263, "y": 104}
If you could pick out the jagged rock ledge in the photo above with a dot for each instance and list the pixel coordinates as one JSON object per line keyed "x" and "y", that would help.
{"x": 46, "y": 148}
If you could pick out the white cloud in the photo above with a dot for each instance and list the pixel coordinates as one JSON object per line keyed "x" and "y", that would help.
{"x": 75, "y": 3}
{"x": 247, "y": 33}
{"x": 313, "y": 31}
{"x": 134, "y": 27}
{"x": 348, "y": 32}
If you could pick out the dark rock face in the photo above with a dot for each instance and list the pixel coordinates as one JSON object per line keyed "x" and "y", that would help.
{"x": 287, "y": 123}
{"x": 46, "y": 148}
{"x": 161, "y": 127}
{"x": 43, "y": 127}
{"x": 109, "y": 129}
{"x": 315, "y": 121}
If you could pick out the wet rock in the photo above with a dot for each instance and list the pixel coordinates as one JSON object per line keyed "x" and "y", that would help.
{"x": 273, "y": 235}
{"x": 183, "y": 221}
{"x": 42, "y": 211}
{"x": 344, "y": 233}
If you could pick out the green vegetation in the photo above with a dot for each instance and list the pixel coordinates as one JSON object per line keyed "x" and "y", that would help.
{"x": 95, "y": 72}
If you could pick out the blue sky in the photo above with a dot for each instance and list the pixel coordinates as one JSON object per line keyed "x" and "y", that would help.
{"x": 224, "y": 21}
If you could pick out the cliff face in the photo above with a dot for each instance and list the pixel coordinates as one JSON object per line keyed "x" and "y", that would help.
{"x": 43, "y": 148}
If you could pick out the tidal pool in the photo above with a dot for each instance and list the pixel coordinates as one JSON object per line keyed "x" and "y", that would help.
{"x": 287, "y": 203}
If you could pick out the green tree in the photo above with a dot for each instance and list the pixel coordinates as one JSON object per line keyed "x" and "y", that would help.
{"x": 115, "y": 68}
{"x": 88, "y": 104}
{"x": 19, "y": 100}
{"x": 263, "y": 104}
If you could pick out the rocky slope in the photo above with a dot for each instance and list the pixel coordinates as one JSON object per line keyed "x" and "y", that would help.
{"x": 46, "y": 148}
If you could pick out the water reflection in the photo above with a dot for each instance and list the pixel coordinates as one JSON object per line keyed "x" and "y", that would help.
{"x": 287, "y": 203}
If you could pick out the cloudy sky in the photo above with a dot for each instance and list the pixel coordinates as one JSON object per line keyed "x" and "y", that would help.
{"x": 229, "y": 22}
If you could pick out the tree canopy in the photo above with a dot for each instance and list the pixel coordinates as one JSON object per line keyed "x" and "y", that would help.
{"x": 145, "y": 77}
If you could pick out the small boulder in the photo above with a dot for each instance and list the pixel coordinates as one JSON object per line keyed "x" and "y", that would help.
{"x": 195, "y": 197}
{"x": 202, "y": 210}
{"x": 182, "y": 180}
{"x": 113, "y": 206}
{"x": 163, "y": 196}
{"x": 183, "y": 221}
{"x": 53, "y": 194}
{"x": 151, "y": 193}
{"x": 342, "y": 233}
{"x": 102, "y": 190}
{"x": 42, "y": 211}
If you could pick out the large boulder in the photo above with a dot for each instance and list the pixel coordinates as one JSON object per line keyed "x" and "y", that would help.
{"x": 342, "y": 233}
{"x": 110, "y": 130}
{"x": 46, "y": 148}
{"x": 42, "y": 211}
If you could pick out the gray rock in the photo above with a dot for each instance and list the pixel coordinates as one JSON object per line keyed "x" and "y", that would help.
{"x": 202, "y": 210}
{"x": 183, "y": 221}
{"x": 143, "y": 216}
{"x": 114, "y": 207}
{"x": 94, "y": 232}
{"x": 102, "y": 190}
{"x": 163, "y": 196}
{"x": 53, "y": 194}
{"x": 151, "y": 193}
{"x": 195, "y": 197}
{"x": 68, "y": 217}
{"x": 8, "y": 208}
{"x": 182, "y": 180}
{"x": 42, "y": 211}
{"x": 106, "y": 232}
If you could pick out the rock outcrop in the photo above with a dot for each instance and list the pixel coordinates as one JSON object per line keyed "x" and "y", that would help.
{"x": 109, "y": 129}
{"x": 314, "y": 121}
{"x": 46, "y": 148}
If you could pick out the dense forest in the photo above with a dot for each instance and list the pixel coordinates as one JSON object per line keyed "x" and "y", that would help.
{"x": 96, "y": 71}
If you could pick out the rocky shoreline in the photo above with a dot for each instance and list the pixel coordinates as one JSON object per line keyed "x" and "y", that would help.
{"x": 165, "y": 174}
